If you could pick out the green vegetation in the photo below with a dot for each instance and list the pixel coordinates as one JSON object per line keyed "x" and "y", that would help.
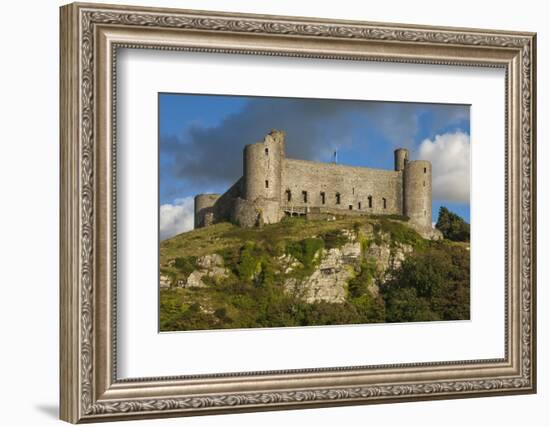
{"x": 431, "y": 284}
{"x": 360, "y": 284}
{"x": 360, "y": 294}
{"x": 335, "y": 238}
{"x": 186, "y": 265}
{"x": 305, "y": 251}
{"x": 250, "y": 262}
{"x": 225, "y": 236}
{"x": 399, "y": 233}
{"x": 452, "y": 226}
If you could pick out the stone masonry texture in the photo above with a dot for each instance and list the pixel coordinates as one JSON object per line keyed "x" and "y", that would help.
{"x": 273, "y": 186}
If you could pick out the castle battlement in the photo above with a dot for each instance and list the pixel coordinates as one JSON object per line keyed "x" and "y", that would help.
{"x": 274, "y": 186}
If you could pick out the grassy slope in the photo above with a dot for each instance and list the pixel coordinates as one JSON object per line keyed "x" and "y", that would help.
{"x": 223, "y": 236}
{"x": 237, "y": 298}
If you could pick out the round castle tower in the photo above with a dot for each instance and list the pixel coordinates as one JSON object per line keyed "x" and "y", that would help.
{"x": 204, "y": 209}
{"x": 417, "y": 192}
{"x": 401, "y": 156}
{"x": 262, "y": 173}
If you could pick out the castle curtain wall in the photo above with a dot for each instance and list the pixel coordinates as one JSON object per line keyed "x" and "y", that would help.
{"x": 308, "y": 180}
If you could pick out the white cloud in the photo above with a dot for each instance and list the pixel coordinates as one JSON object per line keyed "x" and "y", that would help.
{"x": 176, "y": 218}
{"x": 450, "y": 157}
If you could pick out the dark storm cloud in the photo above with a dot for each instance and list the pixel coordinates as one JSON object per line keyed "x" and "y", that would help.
{"x": 210, "y": 156}
{"x": 215, "y": 153}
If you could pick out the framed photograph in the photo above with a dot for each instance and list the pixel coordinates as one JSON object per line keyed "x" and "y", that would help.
{"x": 266, "y": 212}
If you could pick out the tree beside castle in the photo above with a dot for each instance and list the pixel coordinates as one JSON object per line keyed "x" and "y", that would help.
{"x": 452, "y": 226}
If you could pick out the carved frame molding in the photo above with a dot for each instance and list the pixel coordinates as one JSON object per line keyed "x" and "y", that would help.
{"x": 90, "y": 36}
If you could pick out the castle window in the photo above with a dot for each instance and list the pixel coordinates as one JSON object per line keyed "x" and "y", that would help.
{"x": 424, "y": 183}
{"x": 350, "y": 207}
{"x": 384, "y": 203}
{"x": 424, "y": 212}
{"x": 424, "y": 170}
{"x": 370, "y": 201}
{"x": 359, "y": 205}
{"x": 304, "y": 196}
{"x": 266, "y": 183}
{"x": 337, "y": 198}
{"x": 288, "y": 196}
{"x": 267, "y": 153}
{"x": 322, "y": 197}
{"x": 353, "y": 190}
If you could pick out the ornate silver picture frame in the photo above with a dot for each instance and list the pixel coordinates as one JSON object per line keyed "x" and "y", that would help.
{"x": 91, "y": 390}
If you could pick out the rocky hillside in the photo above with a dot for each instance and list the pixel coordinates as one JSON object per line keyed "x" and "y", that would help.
{"x": 300, "y": 272}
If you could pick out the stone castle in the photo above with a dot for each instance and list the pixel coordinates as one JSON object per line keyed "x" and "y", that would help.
{"x": 274, "y": 186}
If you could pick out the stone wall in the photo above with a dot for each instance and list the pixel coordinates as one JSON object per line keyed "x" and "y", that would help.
{"x": 354, "y": 185}
{"x": 225, "y": 205}
{"x": 204, "y": 209}
{"x": 245, "y": 213}
{"x": 273, "y": 186}
{"x": 418, "y": 192}
{"x": 262, "y": 168}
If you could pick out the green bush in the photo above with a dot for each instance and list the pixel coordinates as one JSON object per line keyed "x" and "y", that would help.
{"x": 186, "y": 265}
{"x": 221, "y": 313}
{"x": 305, "y": 250}
{"x": 325, "y": 313}
{"x": 400, "y": 233}
{"x": 359, "y": 285}
{"x": 432, "y": 284}
{"x": 370, "y": 308}
{"x": 334, "y": 239}
{"x": 250, "y": 262}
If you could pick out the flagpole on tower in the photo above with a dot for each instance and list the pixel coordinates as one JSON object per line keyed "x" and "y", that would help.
{"x": 335, "y": 156}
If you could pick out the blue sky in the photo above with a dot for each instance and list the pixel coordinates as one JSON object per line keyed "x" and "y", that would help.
{"x": 201, "y": 139}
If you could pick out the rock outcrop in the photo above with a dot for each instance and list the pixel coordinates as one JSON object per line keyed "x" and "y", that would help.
{"x": 165, "y": 281}
{"x": 289, "y": 263}
{"x": 336, "y": 266}
{"x": 329, "y": 279}
{"x": 208, "y": 266}
{"x": 323, "y": 276}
